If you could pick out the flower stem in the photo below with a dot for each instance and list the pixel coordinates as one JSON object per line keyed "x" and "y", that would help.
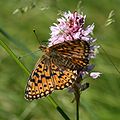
{"x": 11, "y": 53}
{"x": 77, "y": 95}
{"x": 77, "y": 107}
{"x": 77, "y": 98}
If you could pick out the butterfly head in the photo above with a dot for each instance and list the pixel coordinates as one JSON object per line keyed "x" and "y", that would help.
{"x": 44, "y": 49}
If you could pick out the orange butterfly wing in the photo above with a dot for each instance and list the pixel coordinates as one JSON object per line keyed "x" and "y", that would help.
{"x": 56, "y": 69}
{"x": 75, "y": 53}
{"x": 45, "y": 78}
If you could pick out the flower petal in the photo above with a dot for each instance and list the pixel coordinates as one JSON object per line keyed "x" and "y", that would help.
{"x": 95, "y": 75}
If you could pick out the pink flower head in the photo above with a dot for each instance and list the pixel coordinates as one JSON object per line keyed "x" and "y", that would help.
{"x": 71, "y": 27}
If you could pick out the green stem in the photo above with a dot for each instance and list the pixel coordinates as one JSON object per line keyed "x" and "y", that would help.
{"x": 11, "y": 53}
{"x": 58, "y": 108}
{"x": 77, "y": 97}
{"x": 77, "y": 108}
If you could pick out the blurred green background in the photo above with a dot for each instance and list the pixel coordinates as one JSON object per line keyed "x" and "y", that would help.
{"x": 101, "y": 101}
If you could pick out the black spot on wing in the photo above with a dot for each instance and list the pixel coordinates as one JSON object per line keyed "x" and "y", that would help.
{"x": 39, "y": 81}
{"x": 36, "y": 74}
{"x": 32, "y": 80}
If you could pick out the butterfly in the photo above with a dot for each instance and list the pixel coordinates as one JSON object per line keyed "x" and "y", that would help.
{"x": 57, "y": 68}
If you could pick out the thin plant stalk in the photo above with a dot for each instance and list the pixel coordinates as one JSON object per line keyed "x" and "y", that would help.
{"x": 77, "y": 95}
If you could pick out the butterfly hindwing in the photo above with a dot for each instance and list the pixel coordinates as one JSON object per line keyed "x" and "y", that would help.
{"x": 62, "y": 78}
{"x": 45, "y": 78}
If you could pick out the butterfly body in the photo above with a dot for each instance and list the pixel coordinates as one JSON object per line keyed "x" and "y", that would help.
{"x": 57, "y": 68}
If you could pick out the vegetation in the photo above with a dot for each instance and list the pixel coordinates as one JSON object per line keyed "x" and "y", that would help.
{"x": 101, "y": 101}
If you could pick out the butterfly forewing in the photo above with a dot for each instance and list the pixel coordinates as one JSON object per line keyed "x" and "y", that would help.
{"x": 75, "y": 53}
{"x": 45, "y": 78}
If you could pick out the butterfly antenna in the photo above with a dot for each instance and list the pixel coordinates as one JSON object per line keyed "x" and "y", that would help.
{"x": 110, "y": 59}
{"x": 36, "y": 36}
{"x": 20, "y": 57}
